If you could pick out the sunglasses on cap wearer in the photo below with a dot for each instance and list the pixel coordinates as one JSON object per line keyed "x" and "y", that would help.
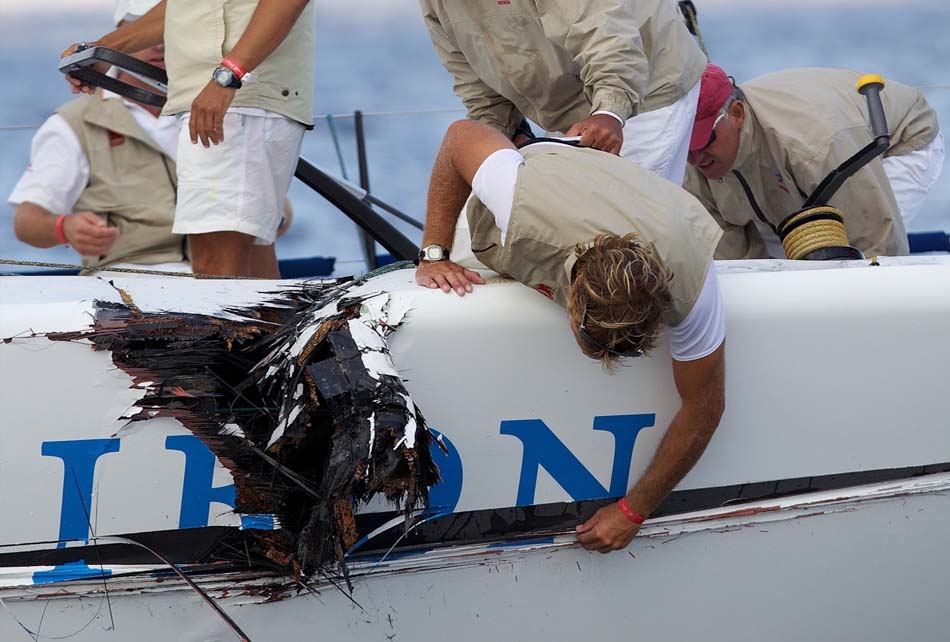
{"x": 712, "y": 132}
{"x": 582, "y": 331}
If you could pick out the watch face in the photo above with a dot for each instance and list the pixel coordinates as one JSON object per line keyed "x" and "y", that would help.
{"x": 435, "y": 253}
{"x": 223, "y": 76}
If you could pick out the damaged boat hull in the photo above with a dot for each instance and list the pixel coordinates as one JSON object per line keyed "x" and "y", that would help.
{"x": 820, "y": 507}
{"x": 864, "y": 567}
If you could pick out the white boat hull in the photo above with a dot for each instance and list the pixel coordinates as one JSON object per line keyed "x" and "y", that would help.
{"x": 857, "y": 568}
{"x": 830, "y": 372}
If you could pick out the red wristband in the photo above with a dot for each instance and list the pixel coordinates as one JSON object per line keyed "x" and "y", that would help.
{"x": 629, "y": 513}
{"x": 235, "y": 68}
{"x": 60, "y": 234}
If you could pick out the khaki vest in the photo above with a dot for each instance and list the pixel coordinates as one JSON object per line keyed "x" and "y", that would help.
{"x": 800, "y": 125}
{"x": 539, "y": 59}
{"x": 132, "y": 183}
{"x": 200, "y": 33}
{"x": 565, "y": 196}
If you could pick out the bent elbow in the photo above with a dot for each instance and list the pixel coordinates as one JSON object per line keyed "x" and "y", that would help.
{"x": 19, "y": 230}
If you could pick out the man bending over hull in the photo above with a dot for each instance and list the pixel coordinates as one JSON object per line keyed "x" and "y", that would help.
{"x": 624, "y": 250}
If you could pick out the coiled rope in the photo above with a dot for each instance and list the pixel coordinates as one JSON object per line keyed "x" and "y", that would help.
{"x": 813, "y": 229}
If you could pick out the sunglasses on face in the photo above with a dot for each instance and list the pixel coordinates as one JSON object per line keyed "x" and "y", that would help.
{"x": 712, "y": 132}
{"x": 582, "y": 332}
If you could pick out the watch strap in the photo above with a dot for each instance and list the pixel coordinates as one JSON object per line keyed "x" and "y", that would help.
{"x": 238, "y": 69}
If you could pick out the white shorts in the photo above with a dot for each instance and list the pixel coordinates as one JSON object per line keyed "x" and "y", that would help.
{"x": 659, "y": 139}
{"x": 241, "y": 184}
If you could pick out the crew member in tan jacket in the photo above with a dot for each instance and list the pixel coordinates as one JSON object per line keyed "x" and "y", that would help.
{"x": 625, "y": 251}
{"x": 102, "y": 179}
{"x": 621, "y": 74}
{"x": 241, "y": 80}
{"x": 760, "y": 149}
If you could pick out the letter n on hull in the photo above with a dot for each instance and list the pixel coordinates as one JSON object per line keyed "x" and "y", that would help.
{"x": 542, "y": 448}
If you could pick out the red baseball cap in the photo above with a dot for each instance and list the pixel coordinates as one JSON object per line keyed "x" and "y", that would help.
{"x": 714, "y": 90}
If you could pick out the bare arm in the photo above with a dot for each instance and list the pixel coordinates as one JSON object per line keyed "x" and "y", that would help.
{"x": 267, "y": 29}
{"x": 465, "y": 147}
{"x": 147, "y": 31}
{"x": 86, "y": 232}
{"x": 270, "y": 24}
{"x": 701, "y": 385}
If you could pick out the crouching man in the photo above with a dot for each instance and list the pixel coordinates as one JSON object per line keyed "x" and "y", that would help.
{"x": 624, "y": 250}
{"x": 759, "y": 150}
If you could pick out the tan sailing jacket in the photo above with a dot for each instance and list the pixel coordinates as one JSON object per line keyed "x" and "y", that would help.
{"x": 800, "y": 125}
{"x": 565, "y": 196}
{"x": 558, "y": 61}
{"x": 199, "y": 34}
{"x": 132, "y": 183}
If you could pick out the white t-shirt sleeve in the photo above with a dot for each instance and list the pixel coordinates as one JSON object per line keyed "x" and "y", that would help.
{"x": 704, "y": 328}
{"x": 163, "y": 130}
{"x": 58, "y": 171}
{"x": 610, "y": 113}
{"x": 494, "y": 185}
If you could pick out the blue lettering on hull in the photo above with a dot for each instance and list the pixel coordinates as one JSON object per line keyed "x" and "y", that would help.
{"x": 542, "y": 449}
{"x": 79, "y": 467}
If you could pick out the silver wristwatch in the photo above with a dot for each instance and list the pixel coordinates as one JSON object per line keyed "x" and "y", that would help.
{"x": 432, "y": 253}
{"x": 226, "y": 78}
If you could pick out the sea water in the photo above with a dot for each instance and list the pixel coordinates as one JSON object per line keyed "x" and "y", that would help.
{"x": 375, "y": 56}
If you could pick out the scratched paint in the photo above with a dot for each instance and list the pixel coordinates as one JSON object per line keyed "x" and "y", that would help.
{"x": 725, "y": 522}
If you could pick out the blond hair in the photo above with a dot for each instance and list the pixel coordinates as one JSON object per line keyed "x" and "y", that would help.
{"x": 624, "y": 290}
